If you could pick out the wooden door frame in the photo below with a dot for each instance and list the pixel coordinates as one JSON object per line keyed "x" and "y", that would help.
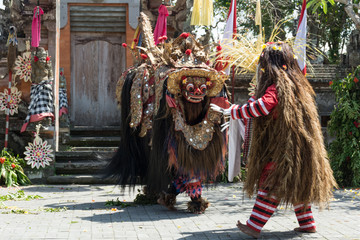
{"x": 132, "y": 13}
{"x": 76, "y": 37}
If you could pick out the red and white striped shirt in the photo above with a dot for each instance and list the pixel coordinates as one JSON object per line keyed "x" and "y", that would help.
{"x": 256, "y": 108}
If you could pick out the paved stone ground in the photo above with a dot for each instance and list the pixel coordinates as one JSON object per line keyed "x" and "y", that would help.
{"x": 87, "y": 217}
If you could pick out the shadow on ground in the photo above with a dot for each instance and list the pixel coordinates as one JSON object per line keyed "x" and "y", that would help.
{"x": 234, "y": 233}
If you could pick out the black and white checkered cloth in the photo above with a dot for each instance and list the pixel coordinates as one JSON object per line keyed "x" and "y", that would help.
{"x": 41, "y": 99}
{"x": 63, "y": 102}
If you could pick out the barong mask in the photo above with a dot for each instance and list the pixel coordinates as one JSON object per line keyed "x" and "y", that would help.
{"x": 194, "y": 89}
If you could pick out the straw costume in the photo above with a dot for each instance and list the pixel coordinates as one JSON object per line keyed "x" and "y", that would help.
{"x": 171, "y": 139}
{"x": 287, "y": 160}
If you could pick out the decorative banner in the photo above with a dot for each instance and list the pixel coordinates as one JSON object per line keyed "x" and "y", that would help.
{"x": 36, "y": 26}
{"x": 15, "y": 99}
{"x": 230, "y": 31}
{"x": 202, "y": 13}
{"x": 161, "y": 24}
{"x": 23, "y": 66}
{"x": 39, "y": 153}
{"x": 300, "y": 39}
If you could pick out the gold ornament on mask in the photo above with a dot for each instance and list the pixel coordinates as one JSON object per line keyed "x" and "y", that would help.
{"x": 217, "y": 80}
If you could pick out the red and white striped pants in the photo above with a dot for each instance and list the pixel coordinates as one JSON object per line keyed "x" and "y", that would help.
{"x": 265, "y": 206}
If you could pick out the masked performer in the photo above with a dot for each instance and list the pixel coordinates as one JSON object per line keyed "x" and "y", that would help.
{"x": 287, "y": 160}
{"x": 171, "y": 139}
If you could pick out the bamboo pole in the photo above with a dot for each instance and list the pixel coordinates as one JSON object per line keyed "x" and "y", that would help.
{"x": 7, "y": 112}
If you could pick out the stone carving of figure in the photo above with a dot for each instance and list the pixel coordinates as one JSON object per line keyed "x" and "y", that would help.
{"x": 41, "y": 66}
{"x": 62, "y": 79}
{"x": 41, "y": 106}
{"x": 12, "y": 44}
{"x": 63, "y": 102}
{"x": 353, "y": 49}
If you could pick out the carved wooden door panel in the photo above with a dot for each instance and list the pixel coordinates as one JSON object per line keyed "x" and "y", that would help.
{"x": 97, "y": 61}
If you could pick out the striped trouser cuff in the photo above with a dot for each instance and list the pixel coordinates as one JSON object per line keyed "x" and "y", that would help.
{"x": 263, "y": 209}
{"x": 305, "y": 216}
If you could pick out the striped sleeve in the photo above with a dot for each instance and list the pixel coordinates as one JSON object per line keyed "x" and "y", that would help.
{"x": 256, "y": 108}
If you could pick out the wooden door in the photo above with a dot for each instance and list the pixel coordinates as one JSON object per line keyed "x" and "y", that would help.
{"x": 97, "y": 61}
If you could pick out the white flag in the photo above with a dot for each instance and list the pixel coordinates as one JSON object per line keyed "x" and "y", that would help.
{"x": 230, "y": 29}
{"x": 300, "y": 39}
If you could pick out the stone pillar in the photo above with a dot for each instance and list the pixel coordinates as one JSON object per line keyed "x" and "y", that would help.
{"x": 51, "y": 27}
{"x": 353, "y": 49}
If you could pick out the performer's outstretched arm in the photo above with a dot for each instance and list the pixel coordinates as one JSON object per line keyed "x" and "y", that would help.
{"x": 256, "y": 108}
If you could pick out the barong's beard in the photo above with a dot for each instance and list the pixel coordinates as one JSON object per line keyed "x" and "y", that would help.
{"x": 194, "y": 112}
{"x": 204, "y": 163}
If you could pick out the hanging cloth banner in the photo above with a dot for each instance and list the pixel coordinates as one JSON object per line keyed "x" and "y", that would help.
{"x": 230, "y": 30}
{"x": 202, "y": 13}
{"x": 236, "y": 136}
{"x": 161, "y": 24}
{"x": 36, "y": 27}
{"x": 207, "y": 12}
{"x": 300, "y": 39}
{"x": 136, "y": 38}
{"x": 258, "y": 23}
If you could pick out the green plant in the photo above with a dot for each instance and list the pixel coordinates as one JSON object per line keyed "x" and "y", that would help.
{"x": 58, "y": 209}
{"x": 344, "y": 124}
{"x": 16, "y": 211}
{"x": 11, "y": 171}
{"x": 145, "y": 198}
{"x": 223, "y": 178}
{"x": 19, "y": 195}
{"x": 117, "y": 202}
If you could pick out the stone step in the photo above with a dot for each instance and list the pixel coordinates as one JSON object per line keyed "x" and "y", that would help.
{"x": 94, "y": 149}
{"x": 78, "y": 156}
{"x": 14, "y": 123}
{"x": 77, "y": 165}
{"x": 94, "y": 141}
{"x": 79, "y": 179}
{"x": 3, "y": 62}
{"x": 85, "y": 155}
{"x": 80, "y": 167}
{"x": 94, "y": 131}
{"x": 94, "y": 128}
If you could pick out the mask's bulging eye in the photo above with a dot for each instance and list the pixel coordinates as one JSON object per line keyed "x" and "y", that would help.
{"x": 203, "y": 88}
{"x": 190, "y": 87}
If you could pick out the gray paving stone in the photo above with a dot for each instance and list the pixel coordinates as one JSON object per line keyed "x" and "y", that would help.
{"x": 87, "y": 217}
